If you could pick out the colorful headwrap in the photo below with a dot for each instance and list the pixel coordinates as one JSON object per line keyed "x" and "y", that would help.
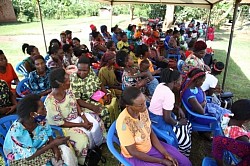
{"x": 186, "y": 84}
{"x": 106, "y": 57}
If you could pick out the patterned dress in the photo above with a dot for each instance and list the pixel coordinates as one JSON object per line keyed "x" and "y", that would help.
{"x": 4, "y": 94}
{"x": 66, "y": 110}
{"x": 20, "y": 144}
{"x": 39, "y": 84}
{"x": 84, "y": 88}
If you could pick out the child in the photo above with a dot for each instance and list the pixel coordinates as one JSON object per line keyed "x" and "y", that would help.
{"x": 235, "y": 128}
{"x": 145, "y": 73}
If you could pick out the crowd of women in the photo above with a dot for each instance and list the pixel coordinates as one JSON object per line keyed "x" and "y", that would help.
{"x": 82, "y": 89}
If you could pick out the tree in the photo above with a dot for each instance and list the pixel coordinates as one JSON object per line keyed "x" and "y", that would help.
{"x": 169, "y": 17}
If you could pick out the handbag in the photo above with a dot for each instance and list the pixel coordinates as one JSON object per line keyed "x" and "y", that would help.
{"x": 226, "y": 99}
{"x": 94, "y": 156}
{"x": 39, "y": 160}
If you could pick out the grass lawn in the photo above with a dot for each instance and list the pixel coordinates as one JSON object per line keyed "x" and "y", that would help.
{"x": 12, "y": 36}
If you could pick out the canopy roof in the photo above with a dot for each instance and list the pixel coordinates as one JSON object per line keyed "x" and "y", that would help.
{"x": 192, "y": 3}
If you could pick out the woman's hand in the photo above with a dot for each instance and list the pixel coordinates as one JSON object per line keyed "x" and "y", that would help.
{"x": 87, "y": 125}
{"x": 97, "y": 108}
{"x": 142, "y": 83}
{"x": 167, "y": 162}
{"x": 183, "y": 121}
{"x": 109, "y": 99}
{"x": 168, "y": 157}
{"x": 57, "y": 153}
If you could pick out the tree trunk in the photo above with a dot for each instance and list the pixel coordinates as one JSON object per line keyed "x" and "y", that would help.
{"x": 169, "y": 17}
{"x": 131, "y": 10}
{"x": 7, "y": 13}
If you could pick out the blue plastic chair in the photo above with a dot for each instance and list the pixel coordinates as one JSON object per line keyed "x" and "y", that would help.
{"x": 207, "y": 161}
{"x": 179, "y": 66}
{"x": 5, "y": 124}
{"x": 176, "y": 56}
{"x": 23, "y": 88}
{"x": 164, "y": 136}
{"x": 21, "y": 69}
{"x": 201, "y": 122}
{"x": 111, "y": 139}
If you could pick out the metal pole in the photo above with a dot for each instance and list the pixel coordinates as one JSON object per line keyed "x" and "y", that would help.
{"x": 236, "y": 5}
{"x": 41, "y": 20}
{"x": 111, "y": 14}
{"x": 208, "y": 23}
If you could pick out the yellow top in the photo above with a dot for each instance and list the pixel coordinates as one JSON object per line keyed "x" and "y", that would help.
{"x": 134, "y": 131}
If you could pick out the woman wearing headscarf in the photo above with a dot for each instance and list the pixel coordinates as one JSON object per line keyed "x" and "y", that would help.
{"x": 107, "y": 74}
{"x": 195, "y": 59}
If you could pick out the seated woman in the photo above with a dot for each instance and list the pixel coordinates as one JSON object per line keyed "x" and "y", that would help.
{"x": 38, "y": 79}
{"x": 29, "y": 140}
{"x": 123, "y": 45}
{"x": 194, "y": 60}
{"x": 139, "y": 144}
{"x": 239, "y": 148}
{"x": 69, "y": 58}
{"x": 123, "y": 59}
{"x": 7, "y": 100}
{"x": 107, "y": 74}
{"x": 64, "y": 111}
{"x": 105, "y": 34}
{"x": 241, "y": 115}
{"x": 167, "y": 115}
{"x": 56, "y": 57}
{"x": 195, "y": 98}
{"x": 7, "y": 73}
{"x": 28, "y": 62}
{"x": 99, "y": 47}
{"x": 91, "y": 95}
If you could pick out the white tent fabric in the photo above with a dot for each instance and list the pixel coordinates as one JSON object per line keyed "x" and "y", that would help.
{"x": 192, "y": 3}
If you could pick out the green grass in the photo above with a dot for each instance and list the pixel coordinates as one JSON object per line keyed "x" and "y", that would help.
{"x": 14, "y": 35}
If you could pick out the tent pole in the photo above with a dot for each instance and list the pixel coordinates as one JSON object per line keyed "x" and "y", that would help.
{"x": 41, "y": 20}
{"x": 236, "y": 5}
{"x": 209, "y": 22}
{"x": 111, "y": 14}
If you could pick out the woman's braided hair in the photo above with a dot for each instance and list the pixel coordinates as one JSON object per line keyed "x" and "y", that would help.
{"x": 169, "y": 75}
{"x": 193, "y": 75}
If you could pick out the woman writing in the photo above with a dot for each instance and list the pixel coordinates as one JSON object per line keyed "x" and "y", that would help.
{"x": 139, "y": 144}
{"x": 87, "y": 87}
{"x": 64, "y": 111}
{"x": 29, "y": 140}
{"x": 166, "y": 114}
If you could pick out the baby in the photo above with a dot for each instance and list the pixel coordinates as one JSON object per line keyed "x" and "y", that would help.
{"x": 145, "y": 73}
